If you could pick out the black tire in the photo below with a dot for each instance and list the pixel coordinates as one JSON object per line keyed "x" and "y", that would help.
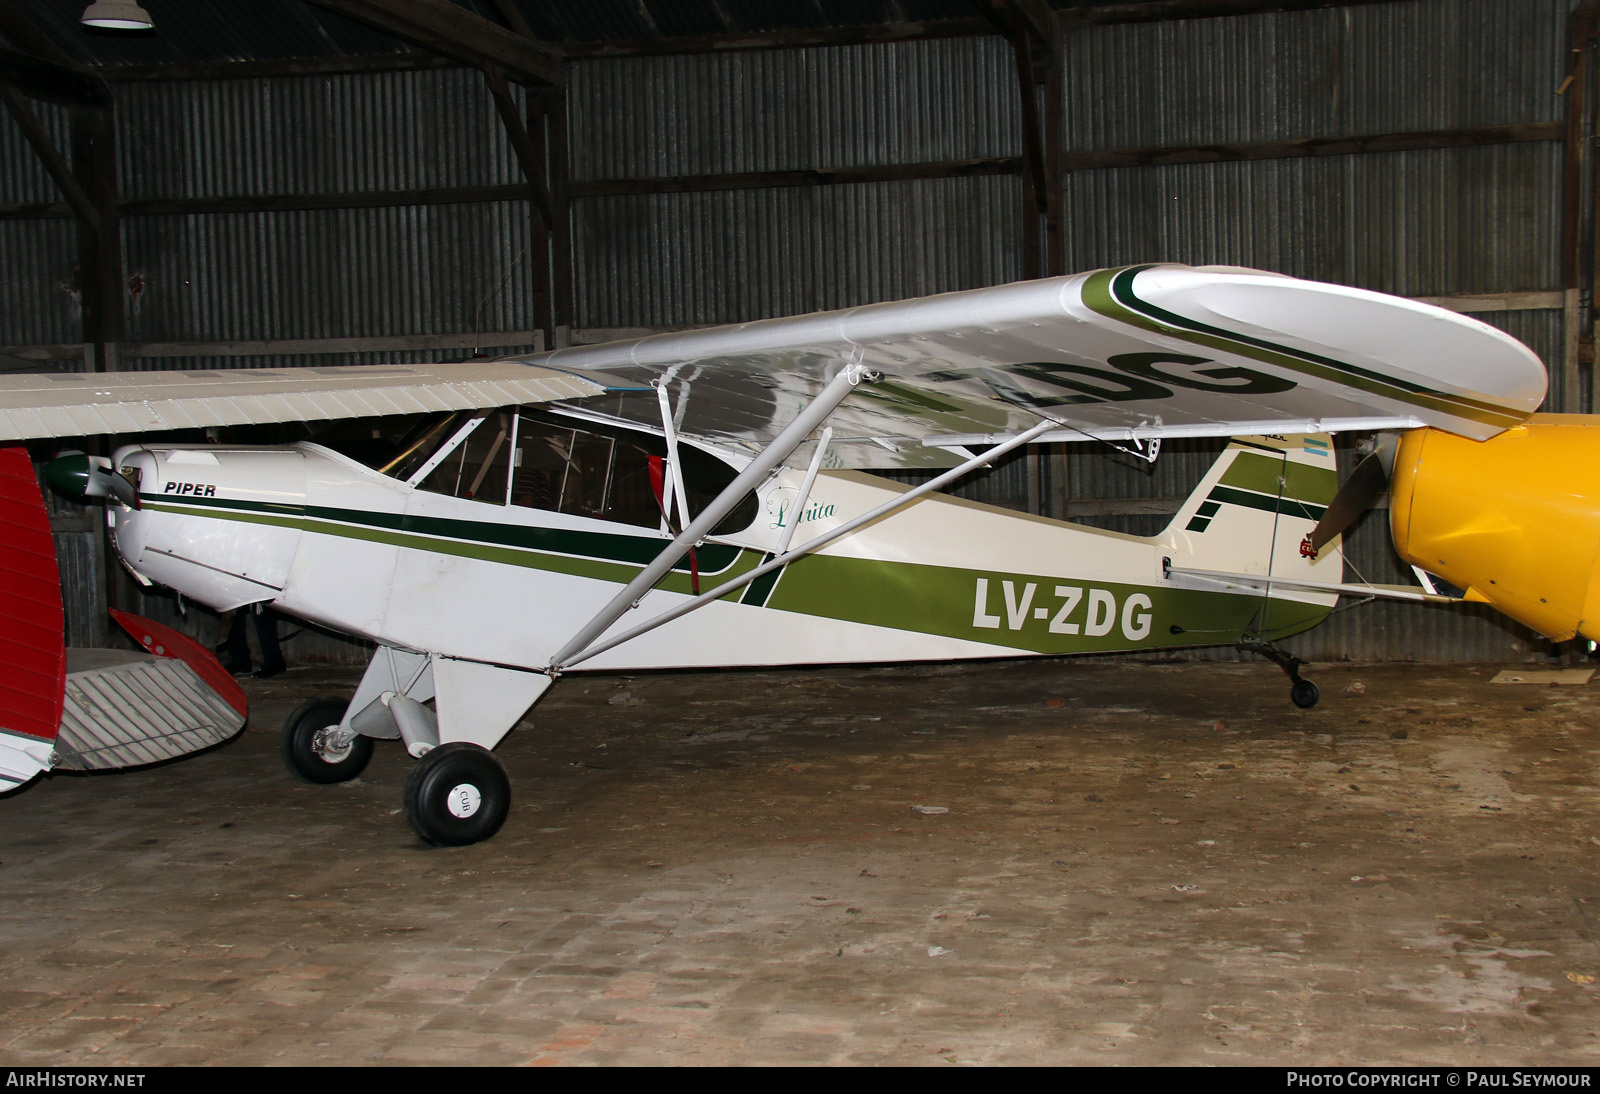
{"x": 457, "y": 794}
{"x": 301, "y": 744}
{"x": 1304, "y": 694}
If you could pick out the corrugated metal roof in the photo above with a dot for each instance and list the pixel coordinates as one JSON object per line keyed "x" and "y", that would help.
{"x": 204, "y": 30}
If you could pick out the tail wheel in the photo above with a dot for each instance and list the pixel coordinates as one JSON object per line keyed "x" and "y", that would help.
{"x": 457, "y": 794}
{"x": 305, "y": 748}
{"x": 1304, "y": 694}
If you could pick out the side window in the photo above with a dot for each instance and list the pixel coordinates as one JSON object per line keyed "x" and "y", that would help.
{"x": 612, "y": 474}
{"x": 478, "y": 467}
{"x": 588, "y": 472}
{"x": 539, "y": 467}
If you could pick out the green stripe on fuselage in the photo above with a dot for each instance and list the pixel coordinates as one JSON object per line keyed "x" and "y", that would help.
{"x": 948, "y": 601}
{"x": 934, "y": 600}
{"x": 1267, "y": 503}
{"x": 597, "y": 555}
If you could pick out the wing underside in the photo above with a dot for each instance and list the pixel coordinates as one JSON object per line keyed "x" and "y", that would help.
{"x": 1136, "y": 354}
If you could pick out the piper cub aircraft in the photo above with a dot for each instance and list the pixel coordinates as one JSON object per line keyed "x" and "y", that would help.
{"x": 698, "y": 499}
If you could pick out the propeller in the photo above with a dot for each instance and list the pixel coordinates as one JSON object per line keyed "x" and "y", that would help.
{"x": 1365, "y": 485}
{"x": 82, "y": 477}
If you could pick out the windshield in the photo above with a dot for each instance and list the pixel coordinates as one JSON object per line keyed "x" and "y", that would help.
{"x": 395, "y": 445}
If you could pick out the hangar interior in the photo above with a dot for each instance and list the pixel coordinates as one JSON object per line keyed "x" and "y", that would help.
{"x": 1020, "y": 862}
{"x": 368, "y": 181}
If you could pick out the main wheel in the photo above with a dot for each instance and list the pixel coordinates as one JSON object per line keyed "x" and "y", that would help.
{"x": 304, "y": 744}
{"x": 1304, "y": 694}
{"x": 457, "y": 794}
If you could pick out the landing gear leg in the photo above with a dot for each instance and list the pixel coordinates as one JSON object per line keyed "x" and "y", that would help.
{"x": 1303, "y": 693}
{"x": 458, "y": 793}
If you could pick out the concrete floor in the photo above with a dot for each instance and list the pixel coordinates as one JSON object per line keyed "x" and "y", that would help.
{"x": 1139, "y": 864}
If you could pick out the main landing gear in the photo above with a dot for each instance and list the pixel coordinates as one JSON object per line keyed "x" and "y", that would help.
{"x": 1303, "y": 693}
{"x": 456, "y": 794}
{"x": 448, "y": 713}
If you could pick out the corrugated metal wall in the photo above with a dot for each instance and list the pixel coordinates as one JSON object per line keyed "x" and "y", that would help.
{"x": 728, "y": 256}
{"x": 1416, "y": 223}
{"x": 772, "y": 110}
{"x": 686, "y": 259}
{"x": 308, "y": 135}
{"x": 329, "y": 273}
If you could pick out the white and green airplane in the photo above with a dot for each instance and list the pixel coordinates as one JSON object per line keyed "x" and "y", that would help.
{"x": 700, "y": 499}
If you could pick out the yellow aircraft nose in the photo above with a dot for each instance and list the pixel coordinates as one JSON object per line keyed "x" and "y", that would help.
{"x": 1514, "y": 520}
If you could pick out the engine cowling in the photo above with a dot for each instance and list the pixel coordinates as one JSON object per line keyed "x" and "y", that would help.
{"x": 1514, "y": 520}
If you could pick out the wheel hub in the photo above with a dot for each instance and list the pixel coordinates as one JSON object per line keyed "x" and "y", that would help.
{"x": 323, "y": 743}
{"x": 463, "y": 800}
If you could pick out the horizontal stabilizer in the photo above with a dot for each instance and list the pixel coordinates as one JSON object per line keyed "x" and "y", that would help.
{"x": 163, "y": 641}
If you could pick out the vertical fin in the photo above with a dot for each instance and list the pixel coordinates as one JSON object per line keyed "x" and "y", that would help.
{"x": 1253, "y": 513}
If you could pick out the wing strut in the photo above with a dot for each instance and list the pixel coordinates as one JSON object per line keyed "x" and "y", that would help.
{"x": 574, "y": 653}
{"x": 674, "y": 483}
{"x": 793, "y": 435}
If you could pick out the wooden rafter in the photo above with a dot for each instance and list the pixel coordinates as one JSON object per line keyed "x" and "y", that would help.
{"x": 527, "y": 156}
{"x": 51, "y": 81}
{"x": 55, "y": 164}
{"x": 443, "y": 27}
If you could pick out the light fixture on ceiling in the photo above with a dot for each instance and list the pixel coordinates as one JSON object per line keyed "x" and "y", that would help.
{"x": 117, "y": 15}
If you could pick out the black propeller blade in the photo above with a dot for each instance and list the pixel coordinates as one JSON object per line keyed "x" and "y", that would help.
{"x": 1365, "y": 485}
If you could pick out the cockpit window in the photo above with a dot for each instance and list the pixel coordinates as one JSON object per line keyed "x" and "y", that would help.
{"x": 539, "y": 460}
{"x": 476, "y": 468}
{"x": 613, "y": 474}
{"x": 396, "y": 445}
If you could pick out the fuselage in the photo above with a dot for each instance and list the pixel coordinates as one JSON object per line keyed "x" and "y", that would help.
{"x": 482, "y": 563}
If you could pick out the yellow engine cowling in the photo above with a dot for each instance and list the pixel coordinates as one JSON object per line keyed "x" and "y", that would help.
{"x": 1514, "y": 520}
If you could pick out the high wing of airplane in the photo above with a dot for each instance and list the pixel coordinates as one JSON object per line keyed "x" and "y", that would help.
{"x": 699, "y": 499}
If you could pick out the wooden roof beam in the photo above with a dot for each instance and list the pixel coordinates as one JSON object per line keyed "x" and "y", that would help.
{"x": 54, "y": 163}
{"x": 1153, "y": 11}
{"x": 51, "y": 82}
{"x": 442, "y": 27}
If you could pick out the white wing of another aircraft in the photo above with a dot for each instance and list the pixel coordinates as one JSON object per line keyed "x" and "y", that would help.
{"x": 77, "y": 404}
{"x": 1140, "y": 353}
